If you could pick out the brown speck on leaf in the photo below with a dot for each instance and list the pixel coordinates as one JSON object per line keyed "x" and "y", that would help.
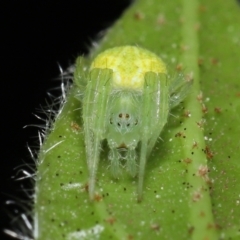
{"x": 155, "y": 227}
{"x": 111, "y": 220}
{"x": 180, "y": 134}
{"x": 187, "y": 114}
{"x": 97, "y": 197}
{"x": 179, "y": 67}
{"x": 195, "y": 145}
{"x": 187, "y": 160}
{"x": 200, "y": 97}
{"x": 201, "y": 123}
{"x": 208, "y": 152}
{"x": 217, "y": 110}
{"x": 214, "y": 226}
{"x": 204, "y": 108}
{"x": 202, "y": 171}
{"x": 130, "y": 237}
{"x": 189, "y": 77}
{"x": 138, "y": 15}
{"x": 200, "y": 62}
{"x": 196, "y": 196}
{"x": 202, "y": 214}
{"x": 190, "y": 230}
{"x": 184, "y": 48}
{"x": 208, "y": 181}
{"x": 75, "y": 126}
{"x": 214, "y": 61}
{"x": 202, "y": 8}
{"x": 223, "y": 172}
{"x": 238, "y": 94}
{"x": 85, "y": 187}
{"x": 161, "y": 19}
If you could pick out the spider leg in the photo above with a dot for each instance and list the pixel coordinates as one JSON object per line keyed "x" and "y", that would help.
{"x": 81, "y": 71}
{"x": 179, "y": 89}
{"x": 159, "y": 109}
{"x": 155, "y": 107}
{"x": 94, "y": 116}
{"x": 131, "y": 162}
{"x": 80, "y": 76}
{"x": 115, "y": 160}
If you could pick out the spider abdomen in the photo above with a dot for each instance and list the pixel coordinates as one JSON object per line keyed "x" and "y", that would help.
{"x": 129, "y": 65}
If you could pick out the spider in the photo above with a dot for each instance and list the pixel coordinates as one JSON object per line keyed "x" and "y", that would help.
{"x": 126, "y": 100}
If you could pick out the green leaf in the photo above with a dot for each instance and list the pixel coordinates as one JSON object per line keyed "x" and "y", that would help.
{"x": 191, "y": 187}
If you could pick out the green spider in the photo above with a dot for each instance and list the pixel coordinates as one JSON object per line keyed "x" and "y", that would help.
{"x": 126, "y": 100}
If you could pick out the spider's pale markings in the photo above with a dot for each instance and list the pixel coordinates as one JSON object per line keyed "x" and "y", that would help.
{"x": 126, "y": 101}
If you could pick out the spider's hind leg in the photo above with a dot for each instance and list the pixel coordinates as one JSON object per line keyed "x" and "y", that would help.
{"x": 179, "y": 88}
{"x": 81, "y": 76}
{"x": 155, "y": 108}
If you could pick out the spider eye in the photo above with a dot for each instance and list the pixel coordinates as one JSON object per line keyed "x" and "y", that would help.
{"x": 124, "y": 115}
{"x": 123, "y": 121}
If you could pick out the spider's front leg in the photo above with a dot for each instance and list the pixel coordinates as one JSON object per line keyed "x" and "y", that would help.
{"x": 155, "y": 109}
{"x": 115, "y": 162}
{"x": 95, "y": 105}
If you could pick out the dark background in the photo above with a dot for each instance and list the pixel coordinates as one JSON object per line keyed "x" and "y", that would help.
{"x": 35, "y": 36}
